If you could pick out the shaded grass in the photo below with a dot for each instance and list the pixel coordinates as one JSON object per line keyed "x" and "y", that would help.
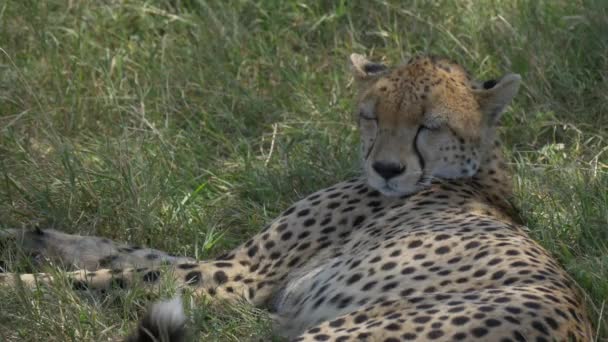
{"x": 152, "y": 122}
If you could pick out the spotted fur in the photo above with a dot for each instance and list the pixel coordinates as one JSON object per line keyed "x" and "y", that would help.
{"x": 425, "y": 246}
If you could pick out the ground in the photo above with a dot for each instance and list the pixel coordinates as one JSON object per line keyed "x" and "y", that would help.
{"x": 187, "y": 125}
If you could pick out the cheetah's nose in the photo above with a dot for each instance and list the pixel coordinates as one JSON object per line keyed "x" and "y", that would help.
{"x": 388, "y": 170}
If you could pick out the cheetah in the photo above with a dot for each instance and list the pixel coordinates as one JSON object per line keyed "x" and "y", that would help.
{"x": 424, "y": 246}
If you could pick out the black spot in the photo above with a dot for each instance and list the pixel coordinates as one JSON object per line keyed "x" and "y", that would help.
{"x": 415, "y": 244}
{"x": 460, "y": 320}
{"x": 358, "y": 220}
{"x": 459, "y": 336}
{"x": 337, "y": 323}
{"x": 479, "y": 331}
{"x": 472, "y": 244}
{"x": 434, "y": 334}
{"x": 333, "y": 205}
{"x": 454, "y": 260}
{"x": 252, "y": 251}
{"x": 151, "y": 276}
{"x": 408, "y": 270}
{"x": 293, "y": 261}
{"x": 502, "y": 300}
{"x": 328, "y": 230}
{"x": 107, "y": 261}
{"x": 275, "y": 255}
{"x": 309, "y": 222}
{"x": 519, "y": 264}
{"x": 152, "y": 256}
{"x": 480, "y": 255}
{"x": 303, "y": 235}
{"x": 389, "y": 266}
{"x": 540, "y": 327}
{"x": 321, "y": 337}
{"x": 187, "y": 266}
{"x": 422, "y": 319}
{"x": 486, "y": 308}
{"x": 494, "y": 261}
{"x": 194, "y": 277}
{"x": 462, "y": 280}
{"x": 222, "y": 264}
{"x": 393, "y": 327}
{"x": 220, "y": 277}
{"x": 498, "y": 275}
{"x": 345, "y": 302}
{"x": 303, "y": 246}
{"x": 374, "y": 204}
{"x": 360, "y": 318}
{"x": 532, "y": 305}
{"x": 334, "y": 195}
{"x": 491, "y": 323}
{"x": 303, "y": 212}
{"x": 354, "y": 278}
{"x": 442, "y": 250}
{"x": 442, "y": 237}
{"x": 479, "y": 273}
{"x": 318, "y": 302}
{"x": 289, "y": 211}
{"x": 390, "y": 286}
{"x": 363, "y": 336}
{"x": 368, "y": 286}
{"x": 552, "y": 323}
{"x": 519, "y": 337}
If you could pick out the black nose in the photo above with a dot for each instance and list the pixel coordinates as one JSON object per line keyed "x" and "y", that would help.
{"x": 388, "y": 170}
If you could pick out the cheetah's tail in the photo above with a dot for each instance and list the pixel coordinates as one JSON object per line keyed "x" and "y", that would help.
{"x": 164, "y": 322}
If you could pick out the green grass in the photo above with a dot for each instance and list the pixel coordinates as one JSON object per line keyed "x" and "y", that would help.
{"x": 187, "y": 124}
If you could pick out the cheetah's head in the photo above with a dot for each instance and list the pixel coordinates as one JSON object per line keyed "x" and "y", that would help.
{"x": 423, "y": 120}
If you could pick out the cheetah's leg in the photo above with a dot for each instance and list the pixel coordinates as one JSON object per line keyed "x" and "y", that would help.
{"x": 102, "y": 264}
{"x": 202, "y": 278}
{"x": 85, "y": 252}
{"x": 312, "y": 230}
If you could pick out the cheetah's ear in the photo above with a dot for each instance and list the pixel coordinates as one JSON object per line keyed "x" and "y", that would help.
{"x": 363, "y": 69}
{"x": 494, "y": 96}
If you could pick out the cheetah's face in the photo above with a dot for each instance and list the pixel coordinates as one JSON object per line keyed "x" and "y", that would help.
{"x": 425, "y": 120}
